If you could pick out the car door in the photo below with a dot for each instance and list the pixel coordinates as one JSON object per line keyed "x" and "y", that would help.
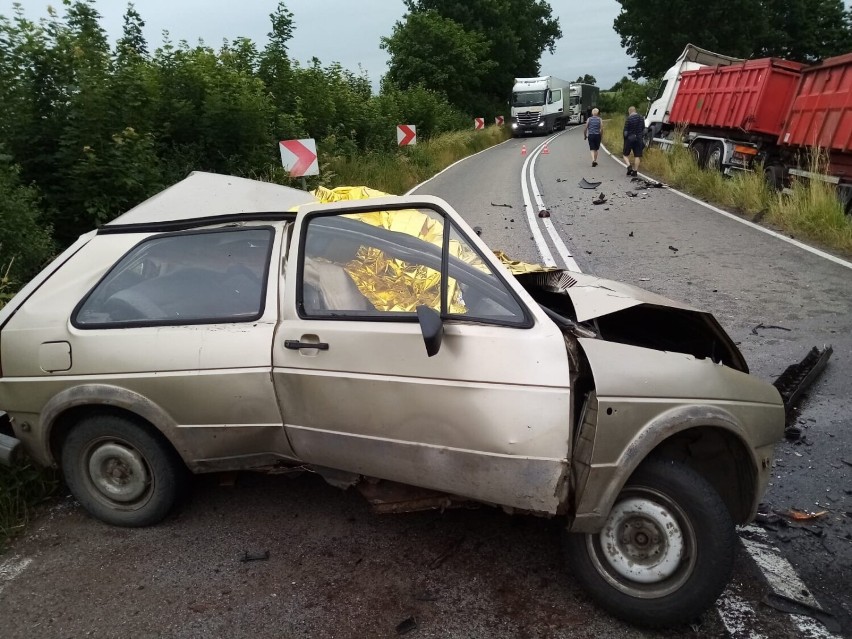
{"x": 486, "y": 417}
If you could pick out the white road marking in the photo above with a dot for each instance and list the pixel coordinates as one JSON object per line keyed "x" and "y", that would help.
{"x": 737, "y": 615}
{"x": 10, "y": 569}
{"x": 783, "y": 580}
{"x": 543, "y": 249}
{"x": 563, "y": 251}
{"x": 757, "y": 227}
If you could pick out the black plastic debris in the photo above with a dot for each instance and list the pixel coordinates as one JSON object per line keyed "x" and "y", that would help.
{"x": 585, "y": 184}
{"x": 600, "y": 199}
{"x": 631, "y": 234}
{"x": 759, "y": 326}
{"x": 797, "y": 377}
{"x": 673, "y": 248}
{"x": 544, "y": 213}
{"x": 477, "y": 230}
{"x": 631, "y": 194}
{"x": 257, "y": 556}
{"x": 406, "y": 625}
{"x": 642, "y": 183}
{"x": 794, "y": 607}
{"x": 508, "y": 206}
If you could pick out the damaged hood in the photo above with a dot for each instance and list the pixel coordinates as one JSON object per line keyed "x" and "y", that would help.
{"x": 629, "y": 314}
{"x": 594, "y": 297}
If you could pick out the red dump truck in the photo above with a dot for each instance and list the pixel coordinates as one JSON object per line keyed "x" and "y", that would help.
{"x": 740, "y": 114}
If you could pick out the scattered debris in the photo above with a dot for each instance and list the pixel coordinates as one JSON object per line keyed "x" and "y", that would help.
{"x": 799, "y": 515}
{"x": 600, "y": 199}
{"x": 477, "y": 230}
{"x": 647, "y": 184}
{"x": 585, "y": 184}
{"x": 406, "y": 625}
{"x": 544, "y": 213}
{"x": 257, "y": 556}
{"x": 631, "y": 234}
{"x": 672, "y": 248}
{"x": 508, "y": 206}
{"x": 631, "y": 194}
{"x": 759, "y": 326}
{"x": 793, "y": 433}
{"x": 797, "y": 377}
{"x": 795, "y": 607}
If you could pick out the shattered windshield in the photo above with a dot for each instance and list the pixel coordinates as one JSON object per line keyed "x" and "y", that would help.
{"x": 528, "y": 98}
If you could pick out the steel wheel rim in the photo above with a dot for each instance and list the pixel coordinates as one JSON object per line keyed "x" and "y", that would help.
{"x": 647, "y": 548}
{"x": 117, "y": 472}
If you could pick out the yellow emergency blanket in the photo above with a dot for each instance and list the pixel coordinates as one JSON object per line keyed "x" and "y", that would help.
{"x": 392, "y": 284}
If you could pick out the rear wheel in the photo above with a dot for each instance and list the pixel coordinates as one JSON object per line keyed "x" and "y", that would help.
{"x": 122, "y": 472}
{"x": 715, "y": 153}
{"x": 666, "y": 551}
{"x": 774, "y": 176}
{"x": 699, "y": 153}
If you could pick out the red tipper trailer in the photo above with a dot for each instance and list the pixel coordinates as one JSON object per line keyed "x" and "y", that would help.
{"x": 752, "y": 97}
{"x": 821, "y": 113}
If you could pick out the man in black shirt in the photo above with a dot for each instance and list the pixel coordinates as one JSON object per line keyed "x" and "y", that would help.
{"x": 634, "y": 127}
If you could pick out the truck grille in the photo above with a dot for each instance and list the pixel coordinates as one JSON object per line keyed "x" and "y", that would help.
{"x": 528, "y": 118}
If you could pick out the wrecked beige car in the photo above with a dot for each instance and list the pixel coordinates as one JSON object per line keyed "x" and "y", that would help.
{"x": 381, "y": 344}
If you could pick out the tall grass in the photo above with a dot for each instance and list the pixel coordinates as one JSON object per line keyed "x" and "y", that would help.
{"x": 399, "y": 171}
{"x": 810, "y": 211}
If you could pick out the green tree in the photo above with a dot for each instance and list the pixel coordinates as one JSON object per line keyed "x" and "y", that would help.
{"x": 437, "y": 52}
{"x": 586, "y": 79}
{"x": 803, "y": 30}
{"x": 503, "y": 38}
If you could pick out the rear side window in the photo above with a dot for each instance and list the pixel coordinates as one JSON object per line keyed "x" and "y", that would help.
{"x": 183, "y": 278}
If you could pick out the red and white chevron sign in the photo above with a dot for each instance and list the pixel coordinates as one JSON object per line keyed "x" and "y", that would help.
{"x": 498, "y": 120}
{"x": 406, "y": 134}
{"x": 299, "y": 157}
{"x": 478, "y": 123}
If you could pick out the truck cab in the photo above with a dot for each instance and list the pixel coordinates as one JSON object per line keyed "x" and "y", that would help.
{"x": 538, "y": 105}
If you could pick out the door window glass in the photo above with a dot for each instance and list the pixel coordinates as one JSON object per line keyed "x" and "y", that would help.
{"x": 183, "y": 278}
{"x": 382, "y": 263}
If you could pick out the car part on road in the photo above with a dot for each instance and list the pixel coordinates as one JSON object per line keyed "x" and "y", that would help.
{"x": 600, "y": 199}
{"x": 793, "y": 607}
{"x": 585, "y": 184}
{"x": 666, "y": 551}
{"x": 797, "y": 377}
{"x": 121, "y": 470}
{"x": 255, "y": 556}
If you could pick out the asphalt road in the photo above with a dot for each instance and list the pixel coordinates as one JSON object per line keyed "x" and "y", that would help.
{"x": 335, "y": 569}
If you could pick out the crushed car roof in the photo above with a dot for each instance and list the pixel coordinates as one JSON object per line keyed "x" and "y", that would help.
{"x": 204, "y": 195}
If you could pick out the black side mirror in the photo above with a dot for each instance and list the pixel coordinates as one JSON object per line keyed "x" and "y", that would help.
{"x": 432, "y": 327}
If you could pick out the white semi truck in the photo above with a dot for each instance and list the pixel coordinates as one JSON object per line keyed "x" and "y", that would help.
{"x": 539, "y": 105}
{"x": 582, "y": 98}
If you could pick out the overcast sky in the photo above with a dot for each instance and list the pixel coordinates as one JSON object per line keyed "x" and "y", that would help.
{"x": 348, "y": 31}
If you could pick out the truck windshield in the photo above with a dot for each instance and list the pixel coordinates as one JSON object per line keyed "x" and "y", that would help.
{"x": 574, "y": 99}
{"x": 528, "y": 98}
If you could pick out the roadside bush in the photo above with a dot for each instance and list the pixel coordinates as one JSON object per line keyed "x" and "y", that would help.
{"x": 25, "y": 241}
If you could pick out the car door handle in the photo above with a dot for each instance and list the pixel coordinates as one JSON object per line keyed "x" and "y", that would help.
{"x": 295, "y": 345}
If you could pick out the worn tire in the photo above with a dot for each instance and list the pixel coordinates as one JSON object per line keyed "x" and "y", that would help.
{"x": 715, "y": 153}
{"x": 122, "y": 472}
{"x": 655, "y": 575}
{"x": 699, "y": 153}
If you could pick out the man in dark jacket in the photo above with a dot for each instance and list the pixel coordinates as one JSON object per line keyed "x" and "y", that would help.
{"x": 634, "y": 127}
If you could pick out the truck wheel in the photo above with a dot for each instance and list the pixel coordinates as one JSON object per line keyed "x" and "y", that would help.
{"x": 122, "y": 472}
{"x": 715, "y": 153}
{"x": 699, "y": 153}
{"x": 666, "y": 551}
{"x": 774, "y": 176}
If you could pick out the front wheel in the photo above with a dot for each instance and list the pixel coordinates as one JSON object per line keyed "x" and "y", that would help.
{"x": 666, "y": 550}
{"x": 122, "y": 472}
